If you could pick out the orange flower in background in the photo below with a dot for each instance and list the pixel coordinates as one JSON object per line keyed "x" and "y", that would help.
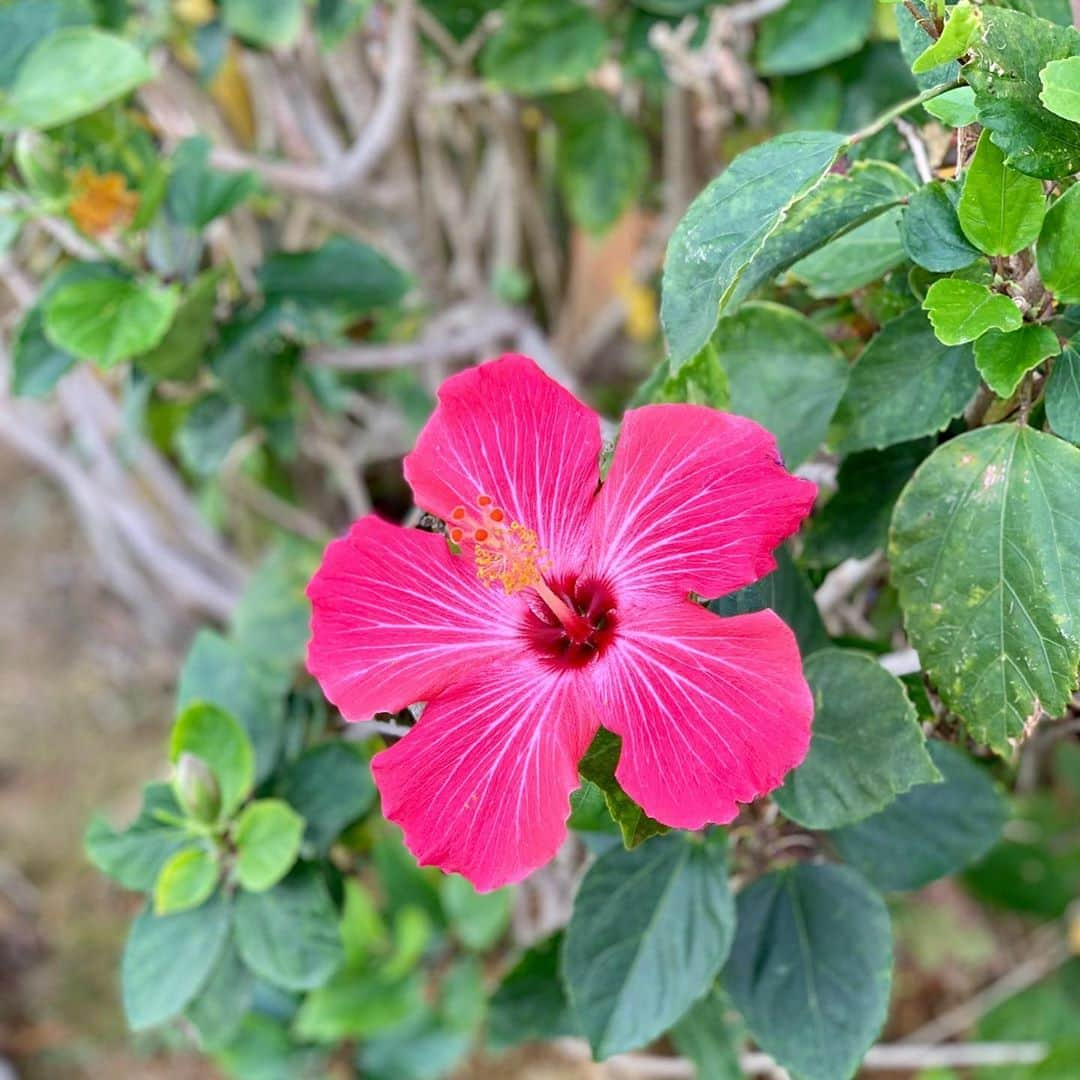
{"x": 101, "y": 201}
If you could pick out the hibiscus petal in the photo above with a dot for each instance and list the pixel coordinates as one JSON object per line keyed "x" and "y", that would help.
{"x": 396, "y": 617}
{"x": 695, "y": 501}
{"x": 481, "y": 785}
{"x": 505, "y": 429}
{"x": 712, "y": 711}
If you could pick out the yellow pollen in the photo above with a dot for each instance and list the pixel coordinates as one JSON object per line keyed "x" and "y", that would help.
{"x": 505, "y": 552}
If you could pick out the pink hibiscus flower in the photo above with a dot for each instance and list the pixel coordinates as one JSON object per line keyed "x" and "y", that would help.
{"x": 566, "y": 605}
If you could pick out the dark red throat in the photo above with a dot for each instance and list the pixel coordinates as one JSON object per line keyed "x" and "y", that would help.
{"x": 592, "y": 630}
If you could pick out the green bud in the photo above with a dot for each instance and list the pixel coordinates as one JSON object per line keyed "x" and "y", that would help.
{"x": 39, "y": 164}
{"x": 197, "y": 789}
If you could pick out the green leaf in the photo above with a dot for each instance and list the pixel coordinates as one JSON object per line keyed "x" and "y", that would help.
{"x": 209, "y": 431}
{"x": 270, "y": 621}
{"x": 708, "y": 1036}
{"x": 700, "y": 381}
{"x": 23, "y": 25}
{"x": 331, "y": 786}
{"x": 72, "y": 72}
{"x": 108, "y": 320}
{"x": 866, "y": 747}
{"x": 961, "y": 311}
{"x": 530, "y": 1004}
{"x": 787, "y": 591}
{"x": 774, "y": 204}
{"x": 960, "y": 29}
{"x": 342, "y": 277}
{"x": 648, "y": 935}
{"x": 855, "y": 521}
{"x": 598, "y": 767}
{"x": 602, "y": 158}
{"x": 356, "y": 1005}
{"x": 810, "y": 968}
{"x": 956, "y": 108}
{"x": 267, "y": 837}
{"x": 186, "y": 880}
{"x": 37, "y": 364}
{"x": 1004, "y": 359}
{"x": 257, "y": 355}
{"x": 931, "y": 230}
{"x": 1001, "y": 210}
{"x": 289, "y": 935}
{"x": 197, "y": 193}
{"x": 1058, "y": 251}
{"x": 1006, "y": 61}
{"x": 543, "y": 45}
{"x": 180, "y": 352}
{"x": 135, "y": 856}
{"x": 216, "y": 671}
{"x": 168, "y": 959}
{"x": 1063, "y": 394}
{"x": 931, "y": 831}
{"x": 217, "y": 739}
{"x": 982, "y": 541}
{"x": 336, "y": 19}
{"x": 906, "y": 384}
{"x": 224, "y": 1000}
{"x": 914, "y": 41}
{"x": 784, "y": 373}
{"x": 404, "y": 883}
{"x": 478, "y": 920}
{"x": 271, "y": 24}
{"x": 807, "y": 34}
{"x": 1061, "y": 87}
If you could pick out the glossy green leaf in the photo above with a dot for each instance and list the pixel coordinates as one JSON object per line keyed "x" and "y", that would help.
{"x": 134, "y": 856}
{"x": 709, "y": 1036}
{"x": 1063, "y": 394}
{"x": 906, "y": 384}
{"x": 787, "y": 592}
{"x": 72, "y": 72}
{"x": 197, "y": 193}
{"x": 478, "y": 920}
{"x": 221, "y": 1004}
{"x": 37, "y": 365}
{"x": 956, "y": 108}
{"x": 783, "y": 373}
{"x": 1061, "y": 87}
{"x": 1007, "y": 59}
{"x": 914, "y": 41}
{"x": 216, "y": 671}
{"x": 649, "y": 932}
{"x": 1004, "y": 359}
{"x": 23, "y": 25}
{"x": 209, "y": 431}
{"x": 866, "y": 747}
{"x": 961, "y": 311}
{"x": 331, "y": 786}
{"x": 807, "y": 34}
{"x": 963, "y": 23}
{"x": 602, "y": 158}
{"x": 108, "y": 320}
{"x": 186, "y": 880}
{"x": 700, "y": 381}
{"x": 168, "y": 959}
{"x": 931, "y": 231}
{"x": 544, "y": 46}
{"x": 931, "y": 831}
{"x": 983, "y": 539}
{"x": 267, "y": 836}
{"x": 811, "y": 967}
{"x": 358, "y": 1005}
{"x": 725, "y": 228}
{"x": 216, "y": 737}
{"x": 289, "y": 935}
{"x": 598, "y": 767}
{"x": 530, "y": 1003}
{"x": 1001, "y": 210}
{"x": 268, "y": 23}
{"x": 1058, "y": 251}
{"x": 855, "y": 520}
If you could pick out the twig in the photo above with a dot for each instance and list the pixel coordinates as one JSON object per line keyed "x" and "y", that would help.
{"x": 373, "y": 143}
{"x": 890, "y": 115}
{"x": 753, "y": 11}
{"x": 918, "y": 149}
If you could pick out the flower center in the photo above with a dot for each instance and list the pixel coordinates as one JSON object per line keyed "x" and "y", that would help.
{"x": 583, "y": 640}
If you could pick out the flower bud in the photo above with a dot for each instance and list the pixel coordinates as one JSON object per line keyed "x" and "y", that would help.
{"x": 197, "y": 789}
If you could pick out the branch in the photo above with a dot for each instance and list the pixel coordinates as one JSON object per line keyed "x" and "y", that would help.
{"x": 374, "y": 141}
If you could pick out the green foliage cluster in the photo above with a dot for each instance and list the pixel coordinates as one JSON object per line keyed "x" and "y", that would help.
{"x": 910, "y": 321}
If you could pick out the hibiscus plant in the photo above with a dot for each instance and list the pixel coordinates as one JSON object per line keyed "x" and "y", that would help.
{"x": 618, "y": 463}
